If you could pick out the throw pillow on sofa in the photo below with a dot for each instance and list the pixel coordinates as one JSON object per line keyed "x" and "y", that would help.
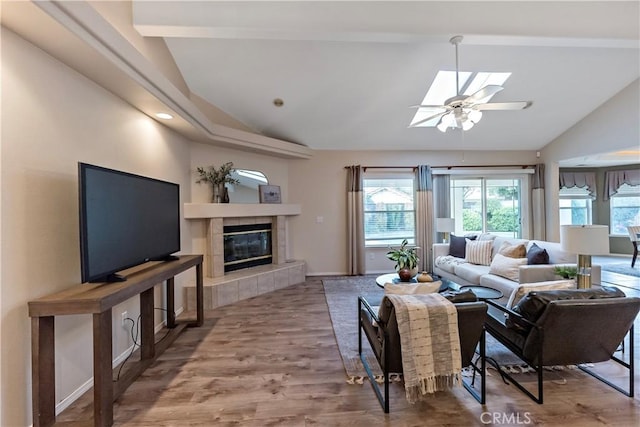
{"x": 479, "y": 252}
{"x": 457, "y": 245}
{"x": 513, "y": 251}
{"x": 506, "y": 266}
{"x": 536, "y": 255}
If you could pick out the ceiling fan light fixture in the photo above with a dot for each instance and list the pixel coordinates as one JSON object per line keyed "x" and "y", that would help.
{"x": 442, "y": 126}
{"x": 475, "y": 115}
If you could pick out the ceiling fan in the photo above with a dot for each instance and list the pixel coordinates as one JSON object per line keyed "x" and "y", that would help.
{"x": 464, "y": 111}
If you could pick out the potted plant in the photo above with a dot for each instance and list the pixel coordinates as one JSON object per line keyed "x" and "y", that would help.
{"x": 218, "y": 177}
{"x": 566, "y": 272}
{"x": 406, "y": 260}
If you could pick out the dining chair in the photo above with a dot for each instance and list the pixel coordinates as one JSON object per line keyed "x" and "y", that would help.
{"x": 634, "y": 235}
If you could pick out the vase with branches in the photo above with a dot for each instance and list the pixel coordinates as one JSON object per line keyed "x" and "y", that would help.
{"x": 217, "y": 177}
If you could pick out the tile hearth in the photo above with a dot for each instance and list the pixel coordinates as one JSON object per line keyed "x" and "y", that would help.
{"x": 247, "y": 283}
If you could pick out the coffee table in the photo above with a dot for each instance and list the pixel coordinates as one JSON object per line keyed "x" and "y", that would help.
{"x": 482, "y": 292}
{"x": 395, "y": 279}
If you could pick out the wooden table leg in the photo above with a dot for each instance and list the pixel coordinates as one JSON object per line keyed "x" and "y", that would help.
{"x": 199, "y": 296}
{"x": 102, "y": 370}
{"x": 43, "y": 372}
{"x": 147, "y": 339}
{"x": 171, "y": 311}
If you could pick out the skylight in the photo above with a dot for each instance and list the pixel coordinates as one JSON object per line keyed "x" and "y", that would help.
{"x": 444, "y": 87}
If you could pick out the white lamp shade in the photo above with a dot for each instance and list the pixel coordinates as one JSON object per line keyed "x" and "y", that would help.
{"x": 445, "y": 225}
{"x": 585, "y": 239}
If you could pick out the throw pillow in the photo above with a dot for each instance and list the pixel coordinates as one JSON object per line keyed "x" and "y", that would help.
{"x": 412, "y": 288}
{"x": 457, "y": 245}
{"x": 525, "y": 288}
{"x": 479, "y": 252}
{"x": 537, "y": 255}
{"x": 513, "y": 251}
{"x": 507, "y": 267}
{"x": 487, "y": 236}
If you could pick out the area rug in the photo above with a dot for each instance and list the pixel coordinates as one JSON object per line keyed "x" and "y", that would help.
{"x": 623, "y": 268}
{"x": 342, "y": 301}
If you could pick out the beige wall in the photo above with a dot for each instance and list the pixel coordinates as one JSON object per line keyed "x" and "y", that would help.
{"x": 52, "y": 118}
{"x": 275, "y": 169}
{"x": 319, "y": 185}
{"x": 612, "y": 126}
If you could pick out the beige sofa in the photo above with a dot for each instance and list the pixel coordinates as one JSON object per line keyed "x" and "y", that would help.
{"x": 465, "y": 273}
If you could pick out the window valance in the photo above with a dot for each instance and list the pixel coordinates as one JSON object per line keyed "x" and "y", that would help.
{"x": 614, "y": 179}
{"x": 579, "y": 179}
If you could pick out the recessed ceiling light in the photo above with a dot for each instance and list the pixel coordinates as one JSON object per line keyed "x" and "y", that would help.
{"x": 164, "y": 116}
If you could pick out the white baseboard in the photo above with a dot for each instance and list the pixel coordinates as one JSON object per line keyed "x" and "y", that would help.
{"x": 86, "y": 386}
{"x": 347, "y": 274}
{"x": 330, "y": 273}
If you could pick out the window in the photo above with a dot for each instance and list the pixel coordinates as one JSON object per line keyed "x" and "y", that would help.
{"x": 625, "y": 209}
{"x": 575, "y": 206}
{"x": 487, "y": 205}
{"x": 389, "y": 212}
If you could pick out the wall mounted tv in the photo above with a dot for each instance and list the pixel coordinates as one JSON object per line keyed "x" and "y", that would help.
{"x": 125, "y": 220}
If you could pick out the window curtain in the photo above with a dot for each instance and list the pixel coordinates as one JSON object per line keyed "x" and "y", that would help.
{"x": 441, "y": 199}
{"x": 424, "y": 216}
{"x": 537, "y": 203}
{"x": 614, "y": 179}
{"x": 355, "y": 221}
{"x": 580, "y": 180}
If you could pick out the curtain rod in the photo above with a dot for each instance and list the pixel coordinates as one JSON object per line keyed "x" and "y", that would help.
{"x": 448, "y": 167}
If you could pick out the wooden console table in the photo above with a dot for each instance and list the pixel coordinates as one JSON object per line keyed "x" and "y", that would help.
{"x": 98, "y": 299}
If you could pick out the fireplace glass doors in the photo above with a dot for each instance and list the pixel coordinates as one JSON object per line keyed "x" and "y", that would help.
{"x": 247, "y": 246}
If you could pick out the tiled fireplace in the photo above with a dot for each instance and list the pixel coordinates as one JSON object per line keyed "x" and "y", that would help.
{"x": 246, "y": 246}
{"x": 246, "y": 234}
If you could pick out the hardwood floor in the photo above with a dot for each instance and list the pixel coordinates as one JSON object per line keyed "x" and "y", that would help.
{"x": 273, "y": 361}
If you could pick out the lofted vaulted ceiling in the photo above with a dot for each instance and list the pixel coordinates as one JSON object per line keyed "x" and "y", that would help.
{"x": 348, "y": 71}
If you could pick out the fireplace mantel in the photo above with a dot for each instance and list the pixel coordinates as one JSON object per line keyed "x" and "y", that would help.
{"x": 238, "y": 210}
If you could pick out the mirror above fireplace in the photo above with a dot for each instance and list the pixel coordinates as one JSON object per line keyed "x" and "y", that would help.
{"x": 246, "y": 191}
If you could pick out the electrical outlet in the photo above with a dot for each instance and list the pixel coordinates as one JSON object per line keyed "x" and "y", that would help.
{"x": 123, "y": 318}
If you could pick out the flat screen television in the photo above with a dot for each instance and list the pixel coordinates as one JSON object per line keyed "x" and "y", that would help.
{"x": 125, "y": 220}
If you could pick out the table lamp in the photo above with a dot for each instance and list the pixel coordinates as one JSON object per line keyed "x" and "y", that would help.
{"x": 585, "y": 240}
{"x": 445, "y": 226}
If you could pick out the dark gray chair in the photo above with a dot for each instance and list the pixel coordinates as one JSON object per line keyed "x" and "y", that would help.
{"x": 384, "y": 338}
{"x": 568, "y": 327}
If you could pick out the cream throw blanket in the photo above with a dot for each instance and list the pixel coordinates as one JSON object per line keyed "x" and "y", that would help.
{"x": 428, "y": 327}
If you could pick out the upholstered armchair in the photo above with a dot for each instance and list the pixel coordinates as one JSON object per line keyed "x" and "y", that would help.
{"x": 567, "y": 327}
{"x": 384, "y": 338}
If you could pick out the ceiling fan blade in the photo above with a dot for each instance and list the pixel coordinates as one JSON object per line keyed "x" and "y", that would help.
{"x": 484, "y": 93}
{"x": 427, "y": 119}
{"x": 518, "y": 105}
{"x": 428, "y": 106}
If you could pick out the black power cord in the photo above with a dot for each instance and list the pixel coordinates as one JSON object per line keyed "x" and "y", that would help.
{"x": 135, "y": 331}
